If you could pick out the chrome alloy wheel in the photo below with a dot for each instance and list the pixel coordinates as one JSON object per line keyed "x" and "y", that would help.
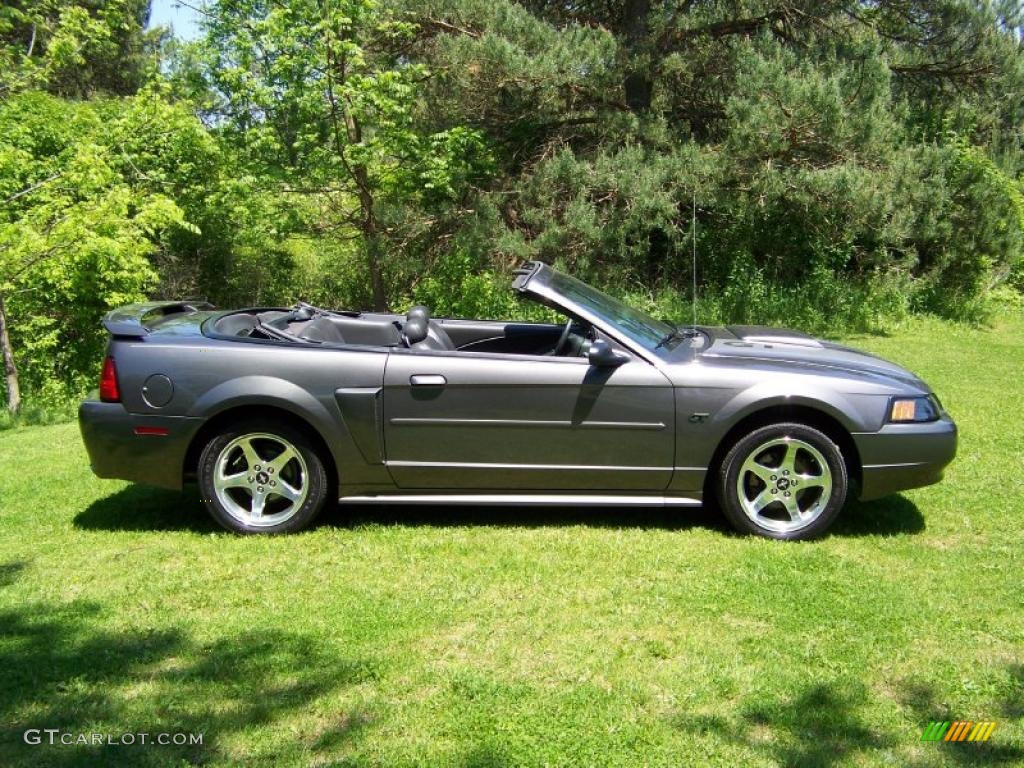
{"x": 784, "y": 484}
{"x": 261, "y": 479}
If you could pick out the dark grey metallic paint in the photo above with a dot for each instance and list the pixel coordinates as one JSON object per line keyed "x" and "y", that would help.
{"x": 421, "y": 425}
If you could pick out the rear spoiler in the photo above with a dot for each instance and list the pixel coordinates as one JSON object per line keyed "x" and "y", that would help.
{"x": 136, "y": 320}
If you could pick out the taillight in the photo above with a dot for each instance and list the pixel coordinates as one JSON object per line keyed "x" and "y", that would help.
{"x": 109, "y": 391}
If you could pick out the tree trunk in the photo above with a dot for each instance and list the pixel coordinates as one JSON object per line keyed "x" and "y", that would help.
{"x": 637, "y": 83}
{"x": 367, "y": 220}
{"x": 637, "y": 87}
{"x": 373, "y": 249}
{"x": 371, "y": 240}
{"x": 10, "y": 369}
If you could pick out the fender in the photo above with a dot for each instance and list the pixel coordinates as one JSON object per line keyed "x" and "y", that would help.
{"x": 763, "y": 396}
{"x": 248, "y": 391}
{"x": 699, "y": 438}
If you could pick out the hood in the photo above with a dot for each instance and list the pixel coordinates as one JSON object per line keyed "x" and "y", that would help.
{"x": 781, "y": 346}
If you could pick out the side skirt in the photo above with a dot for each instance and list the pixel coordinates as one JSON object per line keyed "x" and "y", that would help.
{"x": 525, "y": 499}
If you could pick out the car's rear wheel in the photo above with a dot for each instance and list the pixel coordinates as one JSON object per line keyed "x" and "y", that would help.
{"x": 262, "y": 477}
{"x": 783, "y": 481}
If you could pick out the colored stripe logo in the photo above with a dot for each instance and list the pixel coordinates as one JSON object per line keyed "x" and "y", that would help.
{"x": 958, "y": 730}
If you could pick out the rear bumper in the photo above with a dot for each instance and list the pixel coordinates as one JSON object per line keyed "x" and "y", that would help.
{"x": 116, "y": 451}
{"x": 903, "y": 456}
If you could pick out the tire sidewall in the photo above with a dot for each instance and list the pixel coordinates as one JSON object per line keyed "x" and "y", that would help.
{"x": 317, "y": 477}
{"x": 728, "y": 475}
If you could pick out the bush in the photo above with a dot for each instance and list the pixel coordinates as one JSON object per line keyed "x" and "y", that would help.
{"x": 33, "y": 415}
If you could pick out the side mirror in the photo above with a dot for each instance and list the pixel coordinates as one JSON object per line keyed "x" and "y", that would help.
{"x": 601, "y": 355}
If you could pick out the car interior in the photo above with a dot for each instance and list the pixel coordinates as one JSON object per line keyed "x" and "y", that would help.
{"x": 417, "y": 330}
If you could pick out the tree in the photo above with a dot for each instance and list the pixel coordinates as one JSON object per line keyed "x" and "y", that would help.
{"x": 802, "y": 128}
{"x": 74, "y": 238}
{"x": 323, "y": 98}
{"x": 75, "y": 48}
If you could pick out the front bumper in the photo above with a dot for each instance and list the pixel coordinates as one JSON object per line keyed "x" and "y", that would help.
{"x": 903, "y": 456}
{"x": 116, "y": 451}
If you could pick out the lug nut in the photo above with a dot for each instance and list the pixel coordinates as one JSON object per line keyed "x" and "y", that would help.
{"x": 785, "y": 471}
{"x": 251, "y": 478}
{"x": 774, "y": 477}
{"x": 787, "y": 493}
{"x": 270, "y": 470}
{"x": 259, "y": 489}
{"x": 257, "y": 467}
{"x": 775, "y": 490}
{"x": 273, "y": 483}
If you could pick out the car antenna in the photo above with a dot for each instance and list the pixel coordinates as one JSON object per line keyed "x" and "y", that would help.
{"x": 693, "y": 233}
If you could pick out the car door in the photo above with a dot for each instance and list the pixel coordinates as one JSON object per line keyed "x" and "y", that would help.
{"x": 463, "y": 420}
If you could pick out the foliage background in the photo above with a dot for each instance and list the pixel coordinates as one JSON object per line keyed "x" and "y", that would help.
{"x": 850, "y": 162}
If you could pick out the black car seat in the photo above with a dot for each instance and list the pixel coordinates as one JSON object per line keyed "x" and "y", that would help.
{"x": 420, "y": 332}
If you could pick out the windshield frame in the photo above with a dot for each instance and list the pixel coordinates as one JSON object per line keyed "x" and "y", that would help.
{"x": 632, "y": 327}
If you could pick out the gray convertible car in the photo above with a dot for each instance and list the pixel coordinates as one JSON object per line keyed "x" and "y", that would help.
{"x": 276, "y": 412}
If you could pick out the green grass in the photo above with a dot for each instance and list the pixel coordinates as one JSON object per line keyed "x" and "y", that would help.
{"x": 490, "y": 638}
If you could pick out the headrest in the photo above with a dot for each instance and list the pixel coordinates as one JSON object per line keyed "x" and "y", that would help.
{"x": 418, "y": 311}
{"x": 415, "y": 329}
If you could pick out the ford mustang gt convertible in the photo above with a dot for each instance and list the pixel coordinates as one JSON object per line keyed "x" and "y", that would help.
{"x": 276, "y": 411}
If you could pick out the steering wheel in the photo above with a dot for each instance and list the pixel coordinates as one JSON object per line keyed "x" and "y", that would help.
{"x": 560, "y": 346}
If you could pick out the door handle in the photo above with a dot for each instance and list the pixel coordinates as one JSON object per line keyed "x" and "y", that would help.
{"x": 427, "y": 380}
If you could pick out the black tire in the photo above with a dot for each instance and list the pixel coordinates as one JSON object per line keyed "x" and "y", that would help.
{"x": 816, "y": 484}
{"x": 302, "y": 476}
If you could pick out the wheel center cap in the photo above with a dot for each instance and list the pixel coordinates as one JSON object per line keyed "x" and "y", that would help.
{"x": 783, "y": 483}
{"x": 262, "y": 478}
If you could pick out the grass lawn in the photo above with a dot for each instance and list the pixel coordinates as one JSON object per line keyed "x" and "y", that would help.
{"x": 491, "y": 638}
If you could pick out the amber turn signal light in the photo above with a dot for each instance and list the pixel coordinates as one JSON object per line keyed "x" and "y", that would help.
{"x": 913, "y": 409}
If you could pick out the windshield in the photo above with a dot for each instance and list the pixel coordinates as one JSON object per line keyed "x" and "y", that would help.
{"x": 638, "y": 326}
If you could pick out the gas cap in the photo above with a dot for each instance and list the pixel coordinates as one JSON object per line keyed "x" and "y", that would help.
{"x": 157, "y": 391}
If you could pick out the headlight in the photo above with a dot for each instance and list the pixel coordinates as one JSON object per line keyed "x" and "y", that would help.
{"x": 910, "y": 409}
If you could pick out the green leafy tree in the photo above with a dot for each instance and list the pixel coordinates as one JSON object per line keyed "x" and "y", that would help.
{"x": 324, "y": 100}
{"x": 75, "y": 47}
{"x": 814, "y": 136}
{"x": 75, "y": 237}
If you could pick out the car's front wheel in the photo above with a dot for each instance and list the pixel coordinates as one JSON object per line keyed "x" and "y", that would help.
{"x": 262, "y": 477}
{"x": 783, "y": 481}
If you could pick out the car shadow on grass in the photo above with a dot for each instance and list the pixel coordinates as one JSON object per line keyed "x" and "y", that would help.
{"x": 143, "y": 508}
{"x": 891, "y": 516}
{"x": 894, "y": 515}
{"x": 442, "y": 516}
{"x": 71, "y": 666}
